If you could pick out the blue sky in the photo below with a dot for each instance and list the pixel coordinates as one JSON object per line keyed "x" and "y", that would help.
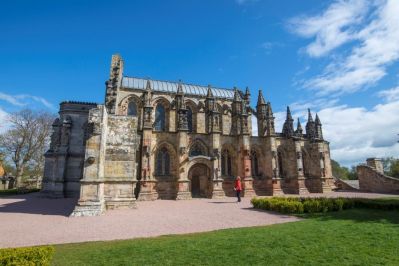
{"x": 338, "y": 57}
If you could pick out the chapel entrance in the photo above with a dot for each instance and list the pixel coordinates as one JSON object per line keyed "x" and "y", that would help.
{"x": 199, "y": 176}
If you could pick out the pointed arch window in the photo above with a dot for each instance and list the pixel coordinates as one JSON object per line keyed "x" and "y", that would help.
{"x": 254, "y": 164}
{"x": 160, "y": 123}
{"x": 132, "y": 109}
{"x": 197, "y": 149}
{"x": 163, "y": 162}
{"x": 190, "y": 119}
{"x": 226, "y": 163}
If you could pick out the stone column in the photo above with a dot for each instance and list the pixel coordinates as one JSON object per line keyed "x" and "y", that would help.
{"x": 91, "y": 201}
{"x": 183, "y": 184}
{"x": 301, "y": 189}
{"x": 245, "y": 166}
{"x": 147, "y": 182}
{"x": 216, "y": 179}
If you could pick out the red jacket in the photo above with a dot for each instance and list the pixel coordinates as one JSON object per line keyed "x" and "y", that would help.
{"x": 237, "y": 185}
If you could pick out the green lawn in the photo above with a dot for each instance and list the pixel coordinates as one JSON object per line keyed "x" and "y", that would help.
{"x": 352, "y": 237}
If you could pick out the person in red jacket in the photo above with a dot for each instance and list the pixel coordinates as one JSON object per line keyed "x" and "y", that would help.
{"x": 237, "y": 188}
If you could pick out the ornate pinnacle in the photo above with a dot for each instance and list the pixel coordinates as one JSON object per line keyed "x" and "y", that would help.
{"x": 247, "y": 93}
{"x": 289, "y": 117}
{"x": 209, "y": 93}
{"x": 269, "y": 112}
{"x": 237, "y": 97}
{"x": 317, "y": 120}
{"x": 261, "y": 99}
{"x": 180, "y": 88}
{"x": 310, "y": 118}
{"x": 148, "y": 86}
{"x": 299, "y": 127}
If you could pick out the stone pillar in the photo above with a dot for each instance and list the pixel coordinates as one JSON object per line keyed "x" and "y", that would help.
{"x": 91, "y": 201}
{"x": 245, "y": 166}
{"x": 183, "y": 184}
{"x": 275, "y": 183}
{"x": 299, "y": 166}
{"x": 146, "y": 183}
{"x": 376, "y": 163}
{"x": 216, "y": 179}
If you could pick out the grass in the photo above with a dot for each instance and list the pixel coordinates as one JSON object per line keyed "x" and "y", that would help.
{"x": 14, "y": 191}
{"x": 351, "y": 237}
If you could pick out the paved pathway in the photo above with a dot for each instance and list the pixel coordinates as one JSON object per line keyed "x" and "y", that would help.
{"x": 29, "y": 220}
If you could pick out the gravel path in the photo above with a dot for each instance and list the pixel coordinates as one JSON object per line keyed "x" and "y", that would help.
{"x": 29, "y": 220}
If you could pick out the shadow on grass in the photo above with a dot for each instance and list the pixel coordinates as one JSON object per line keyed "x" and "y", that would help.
{"x": 34, "y": 203}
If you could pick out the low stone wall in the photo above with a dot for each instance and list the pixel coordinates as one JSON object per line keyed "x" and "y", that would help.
{"x": 370, "y": 180}
{"x": 342, "y": 185}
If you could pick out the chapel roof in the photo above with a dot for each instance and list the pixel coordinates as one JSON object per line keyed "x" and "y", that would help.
{"x": 171, "y": 87}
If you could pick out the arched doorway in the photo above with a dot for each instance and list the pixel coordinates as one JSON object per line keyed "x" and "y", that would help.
{"x": 200, "y": 176}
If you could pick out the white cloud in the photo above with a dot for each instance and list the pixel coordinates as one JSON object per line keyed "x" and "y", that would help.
{"x": 356, "y": 133}
{"x": 21, "y": 100}
{"x": 374, "y": 28}
{"x": 332, "y": 28}
{"x": 390, "y": 95}
{"x": 10, "y": 99}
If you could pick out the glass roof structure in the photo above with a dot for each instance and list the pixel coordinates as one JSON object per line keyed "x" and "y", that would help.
{"x": 171, "y": 87}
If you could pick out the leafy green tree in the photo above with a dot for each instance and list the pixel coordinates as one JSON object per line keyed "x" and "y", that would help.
{"x": 387, "y": 162}
{"x": 343, "y": 172}
{"x": 394, "y": 170}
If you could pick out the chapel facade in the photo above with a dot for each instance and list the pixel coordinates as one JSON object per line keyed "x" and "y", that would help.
{"x": 170, "y": 140}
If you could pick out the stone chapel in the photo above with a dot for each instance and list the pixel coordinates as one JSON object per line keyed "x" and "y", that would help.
{"x": 154, "y": 139}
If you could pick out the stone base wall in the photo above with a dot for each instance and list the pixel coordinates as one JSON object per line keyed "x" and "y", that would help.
{"x": 166, "y": 189}
{"x": 370, "y": 180}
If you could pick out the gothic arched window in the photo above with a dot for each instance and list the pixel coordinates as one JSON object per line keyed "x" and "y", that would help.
{"x": 197, "y": 149}
{"x": 159, "y": 123}
{"x": 190, "y": 119}
{"x": 163, "y": 162}
{"x": 226, "y": 163}
{"x": 254, "y": 164}
{"x": 132, "y": 109}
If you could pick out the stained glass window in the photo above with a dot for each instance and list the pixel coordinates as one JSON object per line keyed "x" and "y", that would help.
{"x": 190, "y": 119}
{"x": 163, "y": 162}
{"x": 159, "y": 123}
{"x": 226, "y": 163}
{"x": 132, "y": 109}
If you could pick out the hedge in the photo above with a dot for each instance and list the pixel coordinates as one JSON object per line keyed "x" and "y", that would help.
{"x": 26, "y": 256}
{"x": 314, "y": 205}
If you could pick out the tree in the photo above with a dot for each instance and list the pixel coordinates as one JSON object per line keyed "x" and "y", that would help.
{"x": 343, "y": 172}
{"x": 391, "y": 166}
{"x": 26, "y": 140}
{"x": 387, "y": 162}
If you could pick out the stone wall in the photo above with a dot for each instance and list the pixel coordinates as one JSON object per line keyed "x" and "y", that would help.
{"x": 64, "y": 160}
{"x": 371, "y": 180}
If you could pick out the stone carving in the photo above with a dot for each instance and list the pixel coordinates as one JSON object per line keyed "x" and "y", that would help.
{"x": 66, "y": 130}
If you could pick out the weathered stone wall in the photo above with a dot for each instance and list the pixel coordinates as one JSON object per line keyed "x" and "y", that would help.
{"x": 371, "y": 180}
{"x": 65, "y": 160}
